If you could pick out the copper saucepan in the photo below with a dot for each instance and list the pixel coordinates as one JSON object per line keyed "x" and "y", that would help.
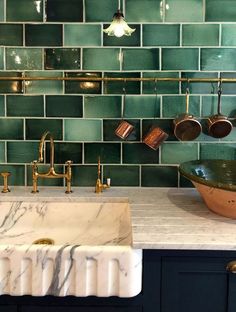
{"x": 218, "y": 125}
{"x": 186, "y": 127}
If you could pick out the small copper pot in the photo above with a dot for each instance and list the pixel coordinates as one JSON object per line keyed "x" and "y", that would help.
{"x": 218, "y": 125}
{"x": 155, "y": 137}
{"x": 187, "y": 127}
{"x": 124, "y": 129}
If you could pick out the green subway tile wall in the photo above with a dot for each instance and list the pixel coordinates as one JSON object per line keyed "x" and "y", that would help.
{"x": 61, "y": 38}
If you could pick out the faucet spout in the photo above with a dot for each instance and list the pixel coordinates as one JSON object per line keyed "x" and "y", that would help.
{"x": 51, "y": 174}
{"x": 42, "y": 148}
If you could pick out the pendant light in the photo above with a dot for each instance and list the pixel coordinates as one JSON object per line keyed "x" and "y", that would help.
{"x": 118, "y": 26}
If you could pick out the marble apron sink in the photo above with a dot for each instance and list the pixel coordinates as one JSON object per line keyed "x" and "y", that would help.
{"x": 92, "y": 252}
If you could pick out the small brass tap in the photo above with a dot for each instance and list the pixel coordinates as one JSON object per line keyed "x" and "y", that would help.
{"x": 5, "y": 176}
{"x": 99, "y": 187}
{"x": 51, "y": 174}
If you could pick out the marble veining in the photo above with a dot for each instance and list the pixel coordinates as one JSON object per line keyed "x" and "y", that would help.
{"x": 92, "y": 254}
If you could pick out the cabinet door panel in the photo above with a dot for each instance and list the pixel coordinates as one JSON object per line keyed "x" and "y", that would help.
{"x": 79, "y": 309}
{"x": 8, "y": 308}
{"x": 232, "y": 293}
{"x": 194, "y": 284}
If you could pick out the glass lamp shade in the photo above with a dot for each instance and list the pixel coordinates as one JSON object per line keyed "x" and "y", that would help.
{"x": 119, "y": 27}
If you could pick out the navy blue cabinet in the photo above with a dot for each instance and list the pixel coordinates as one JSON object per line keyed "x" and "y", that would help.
{"x": 173, "y": 281}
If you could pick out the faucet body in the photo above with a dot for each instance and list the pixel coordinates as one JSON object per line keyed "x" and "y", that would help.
{"x": 99, "y": 187}
{"x": 51, "y": 174}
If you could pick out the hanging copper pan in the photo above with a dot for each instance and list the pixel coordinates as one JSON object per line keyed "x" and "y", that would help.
{"x": 186, "y": 127}
{"x": 218, "y": 125}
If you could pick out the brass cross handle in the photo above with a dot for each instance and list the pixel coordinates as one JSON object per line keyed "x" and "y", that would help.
{"x": 5, "y": 176}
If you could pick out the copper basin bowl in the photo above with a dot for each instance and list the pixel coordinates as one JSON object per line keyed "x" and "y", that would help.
{"x": 216, "y": 182}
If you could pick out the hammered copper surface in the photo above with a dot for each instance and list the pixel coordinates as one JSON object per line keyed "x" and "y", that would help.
{"x": 124, "y": 129}
{"x": 155, "y": 137}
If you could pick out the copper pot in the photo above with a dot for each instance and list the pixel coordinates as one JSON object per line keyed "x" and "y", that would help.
{"x": 124, "y": 129}
{"x": 187, "y": 127}
{"x": 155, "y": 137}
{"x": 218, "y": 125}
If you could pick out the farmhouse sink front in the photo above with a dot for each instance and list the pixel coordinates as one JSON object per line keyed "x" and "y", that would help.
{"x": 68, "y": 248}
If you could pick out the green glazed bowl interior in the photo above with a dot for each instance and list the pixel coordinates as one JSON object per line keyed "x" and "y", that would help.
{"x": 214, "y": 173}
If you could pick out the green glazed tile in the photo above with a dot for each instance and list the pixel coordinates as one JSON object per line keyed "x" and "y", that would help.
{"x": 11, "y": 35}
{"x": 159, "y": 176}
{"x": 109, "y": 127}
{"x": 122, "y": 175}
{"x": 175, "y": 105}
{"x": 138, "y": 153}
{"x": 11, "y": 129}
{"x": 17, "y": 177}
{"x": 209, "y": 105}
{"x": 11, "y": 86}
{"x": 142, "y": 106}
{"x": 228, "y": 88}
{"x": 83, "y": 87}
{"x": 101, "y": 59}
{"x": 100, "y": 11}
{"x": 218, "y": 59}
{"x": 220, "y": 11}
{"x": 43, "y": 35}
{"x": 36, "y": 127}
{"x": 44, "y": 87}
{"x": 2, "y": 152}
{"x": 23, "y": 58}
{"x": 64, "y": 152}
{"x": 22, "y": 152}
{"x": 133, "y": 40}
{"x": 62, "y": 58}
{"x": 116, "y": 87}
{"x": 165, "y": 124}
{"x": 143, "y": 11}
{"x": 184, "y": 11}
{"x": 109, "y": 153}
{"x": 228, "y": 35}
{"x": 64, "y": 106}
{"x": 1, "y": 58}
{"x": 199, "y": 87}
{"x": 102, "y": 106}
{"x": 2, "y": 106}
{"x": 218, "y": 151}
{"x": 25, "y": 106}
{"x": 163, "y": 87}
{"x": 176, "y": 153}
{"x": 64, "y": 10}
{"x": 84, "y": 175}
{"x": 83, "y": 130}
{"x": 161, "y": 35}
{"x": 27, "y": 11}
{"x": 44, "y": 181}
{"x": 1, "y": 10}
{"x": 179, "y": 59}
{"x": 200, "y": 35}
{"x": 82, "y": 35}
{"x": 141, "y": 59}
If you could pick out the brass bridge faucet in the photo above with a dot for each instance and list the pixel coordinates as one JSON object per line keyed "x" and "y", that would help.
{"x": 51, "y": 174}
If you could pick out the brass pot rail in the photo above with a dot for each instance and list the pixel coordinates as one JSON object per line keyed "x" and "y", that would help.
{"x": 132, "y": 79}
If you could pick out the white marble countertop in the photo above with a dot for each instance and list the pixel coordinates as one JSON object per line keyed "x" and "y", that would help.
{"x": 162, "y": 218}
